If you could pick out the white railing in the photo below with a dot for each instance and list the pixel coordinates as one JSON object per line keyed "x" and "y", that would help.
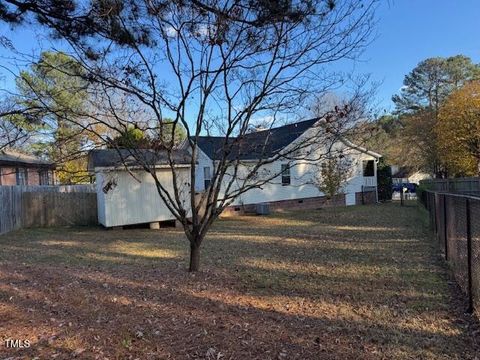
{"x": 369, "y": 181}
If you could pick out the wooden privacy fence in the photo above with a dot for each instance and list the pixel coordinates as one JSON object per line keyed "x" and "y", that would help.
{"x": 88, "y": 188}
{"x": 468, "y": 185}
{"x": 10, "y": 208}
{"x": 27, "y": 206}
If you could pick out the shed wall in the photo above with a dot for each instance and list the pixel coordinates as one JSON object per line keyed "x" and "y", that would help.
{"x": 135, "y": 200}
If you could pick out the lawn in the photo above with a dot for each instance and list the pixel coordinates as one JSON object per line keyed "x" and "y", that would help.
{"x": 362, "y": 282}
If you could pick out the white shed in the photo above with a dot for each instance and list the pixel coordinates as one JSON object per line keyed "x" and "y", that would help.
{"x": 129, "y": 197}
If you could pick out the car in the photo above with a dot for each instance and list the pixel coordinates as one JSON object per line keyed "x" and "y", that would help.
{"x": 410, "y": 187}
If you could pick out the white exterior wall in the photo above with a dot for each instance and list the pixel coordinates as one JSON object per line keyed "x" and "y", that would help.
{"x": 357, "y": 180}
{"x": 202, "y": 161}
{"x": 100, "y": 181}
{"x": 302, "y": 175}
{"x": 133, "y": 202}
{"x": 275, "y": 191}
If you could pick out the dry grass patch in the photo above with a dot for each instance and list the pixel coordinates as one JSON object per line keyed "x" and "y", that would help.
{"x": 363, "y": 283}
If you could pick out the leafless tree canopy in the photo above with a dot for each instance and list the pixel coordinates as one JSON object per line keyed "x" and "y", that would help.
{"x": 217, "y": 68}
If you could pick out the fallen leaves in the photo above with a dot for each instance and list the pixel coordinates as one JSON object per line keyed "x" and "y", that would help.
{"x": 299, "y": 285}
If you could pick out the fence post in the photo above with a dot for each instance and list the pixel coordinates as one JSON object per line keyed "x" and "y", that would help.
{"x": 469, "y": 258}
{"x": 445, "y": 225}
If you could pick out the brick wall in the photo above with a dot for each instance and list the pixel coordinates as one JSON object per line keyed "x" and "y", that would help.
{"x": 369, "y": 197}
{"x": 8, "y": 176}
{"x": 33, "y": 177}
{"x": 294, "y": 204}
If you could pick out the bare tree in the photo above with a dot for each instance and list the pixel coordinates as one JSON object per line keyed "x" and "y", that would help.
{"x": 214, "y": 67}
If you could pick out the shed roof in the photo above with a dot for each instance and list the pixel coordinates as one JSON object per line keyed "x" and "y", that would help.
{"x": 14, "y": 158}
{"x": 119, "y": 158}
{"x": 265, "y": 143}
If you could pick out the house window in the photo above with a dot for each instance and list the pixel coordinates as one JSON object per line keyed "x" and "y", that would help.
{"x": 44, "y": 177}
{"x": 285, "y": 174}
{"x": 368, "y": 168}
{"x": 21, "y": 176}
{"x": 207, "y": 176}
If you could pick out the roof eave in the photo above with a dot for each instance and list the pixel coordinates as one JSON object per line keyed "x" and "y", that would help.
{"x": 360, "y": 148}
{"x": 27, "y": 164}
{"x": 133, "y": 167}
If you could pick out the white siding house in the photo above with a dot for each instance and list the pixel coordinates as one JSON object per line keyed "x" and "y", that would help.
{"x": 362, "y": 177}
{"x": 401, "y": 175}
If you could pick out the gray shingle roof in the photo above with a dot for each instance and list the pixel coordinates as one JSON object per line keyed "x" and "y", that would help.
{"x": 11, "y": 157}
{"x": 265, "y": 143}
{"x": 134, "y": 157}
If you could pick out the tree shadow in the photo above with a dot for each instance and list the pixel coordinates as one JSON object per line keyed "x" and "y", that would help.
{"x": 118, "y": 315}
{"x": 271, "y": 288}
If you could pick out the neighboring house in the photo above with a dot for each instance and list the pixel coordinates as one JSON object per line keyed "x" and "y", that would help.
{"x": 402, "y": 175}
{"x": 20, "y": 169}
{"x": 294, "y": 187}
{"x": 127, "y": 197}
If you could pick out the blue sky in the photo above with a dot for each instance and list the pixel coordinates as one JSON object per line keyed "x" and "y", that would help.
{"x": 408, "y": 32}
{"x": 412, "y": 30}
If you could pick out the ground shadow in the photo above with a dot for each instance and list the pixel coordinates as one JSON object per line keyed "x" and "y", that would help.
{"x": 364, "y": 283}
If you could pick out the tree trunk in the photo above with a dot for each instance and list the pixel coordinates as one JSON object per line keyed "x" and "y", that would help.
{"x": 194, "y": 257}
{"x": 332, "y": 204}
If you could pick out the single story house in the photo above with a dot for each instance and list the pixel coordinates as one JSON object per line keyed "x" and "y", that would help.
{"x": 17, "y": 168}
{"x": 126, "y": 193}
{"x": 294, "y": 188}
{"x": 402, "y": 175}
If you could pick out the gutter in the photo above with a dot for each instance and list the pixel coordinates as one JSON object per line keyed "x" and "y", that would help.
{"x": 136, "y": 167}
{"x": 360, "y": 148}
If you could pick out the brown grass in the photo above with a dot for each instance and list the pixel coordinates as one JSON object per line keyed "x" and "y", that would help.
{"x": 364, "y": 283}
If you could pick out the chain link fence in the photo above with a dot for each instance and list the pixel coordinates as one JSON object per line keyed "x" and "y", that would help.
{"x": 455, "y": 221}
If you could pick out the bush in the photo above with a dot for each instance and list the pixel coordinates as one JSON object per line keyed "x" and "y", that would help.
{"x": 384, "y": 181}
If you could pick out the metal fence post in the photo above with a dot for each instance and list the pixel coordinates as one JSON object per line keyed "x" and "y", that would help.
{"x": 469, "y": 258}
{"x": 445, "y": 225}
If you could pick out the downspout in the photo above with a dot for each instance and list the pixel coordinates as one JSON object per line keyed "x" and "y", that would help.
{"x": 377, "y": 160}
